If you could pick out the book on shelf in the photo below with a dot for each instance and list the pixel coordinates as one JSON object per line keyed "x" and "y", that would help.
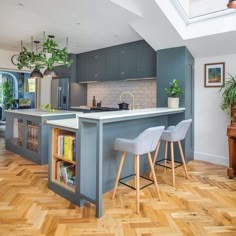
{"x": 65, "y": 172}
{"x": 66, "y": 147}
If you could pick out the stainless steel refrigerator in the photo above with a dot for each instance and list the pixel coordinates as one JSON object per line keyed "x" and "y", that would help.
{"x": 60, "y": 93}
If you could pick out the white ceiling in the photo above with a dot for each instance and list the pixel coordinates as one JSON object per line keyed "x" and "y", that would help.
{"x": 89, "y": 24}
{"x": 93, "y": 24}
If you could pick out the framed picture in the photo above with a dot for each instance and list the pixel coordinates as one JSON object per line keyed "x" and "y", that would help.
{"x": 214, "y": 74}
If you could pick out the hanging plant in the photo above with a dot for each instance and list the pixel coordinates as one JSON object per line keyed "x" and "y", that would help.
{"x": 50, "y": 56}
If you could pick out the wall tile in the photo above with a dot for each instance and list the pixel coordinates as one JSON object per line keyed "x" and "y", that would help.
{"x": 109, "y": 92}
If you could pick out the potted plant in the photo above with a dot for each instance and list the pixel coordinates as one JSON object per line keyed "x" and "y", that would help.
{"x": 174, "y": 92}
{"x": 229, "y": 98}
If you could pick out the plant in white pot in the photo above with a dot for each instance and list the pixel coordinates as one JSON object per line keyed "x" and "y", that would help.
{"x": 174, "y": 92}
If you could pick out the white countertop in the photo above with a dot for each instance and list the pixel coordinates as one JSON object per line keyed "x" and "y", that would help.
{"x": 81, "y": 107}
{"x": 66, "y": 123}
{"x": 34, "y": 112}
{"x": 129, "y": 113}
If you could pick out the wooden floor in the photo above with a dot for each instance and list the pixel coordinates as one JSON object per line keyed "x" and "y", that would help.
{"x": 203, "y": 205}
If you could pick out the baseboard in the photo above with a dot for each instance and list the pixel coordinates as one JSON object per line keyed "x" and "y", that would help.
{"x": 210, "y": 158}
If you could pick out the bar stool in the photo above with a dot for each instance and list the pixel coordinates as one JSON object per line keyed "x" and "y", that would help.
{"x": 144, "y": 143}
{"x": 173, "y": 134}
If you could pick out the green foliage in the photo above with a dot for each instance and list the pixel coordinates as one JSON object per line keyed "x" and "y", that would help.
{"x": 47, "y": 107}
{"x": 229, "y": 93}
{"x": 49, "y": 57}
{"x": 174, "y": 89}
{"x": 8, "y": 100}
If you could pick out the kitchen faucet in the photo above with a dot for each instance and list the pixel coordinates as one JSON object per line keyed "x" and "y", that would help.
{"x": 129, "y": 93}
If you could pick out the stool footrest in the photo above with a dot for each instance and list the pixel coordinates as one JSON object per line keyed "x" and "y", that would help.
{"x": 169, "y": 167}
{"x": 132, "y": 186}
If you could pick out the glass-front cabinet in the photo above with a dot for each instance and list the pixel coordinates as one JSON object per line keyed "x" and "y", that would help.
{"x": 32, "y": 137}
{"x": 18, "y": 132}
{"x": 27, "y": 133}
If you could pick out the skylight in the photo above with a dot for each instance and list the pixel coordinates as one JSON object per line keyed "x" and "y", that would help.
{"x": 197, "y": 10}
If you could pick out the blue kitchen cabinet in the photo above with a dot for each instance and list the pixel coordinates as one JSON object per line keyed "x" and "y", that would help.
{"x": 178, "y": 63}
{"x": 82, "y": 67}
{"x": 146, "y": 60}
{"x": 68, "y": 71}
{"x": 126, "y": 61}
{"x": 112, "y": 64}
{"x": 27, "y": 133}
{"x": 96, "y": 66}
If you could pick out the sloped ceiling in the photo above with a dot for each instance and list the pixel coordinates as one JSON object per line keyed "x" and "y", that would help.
{"x": 94, "y": 24}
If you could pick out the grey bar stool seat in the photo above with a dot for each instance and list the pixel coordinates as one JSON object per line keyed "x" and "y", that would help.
{"x": 144, "y": 143}
{"x": 174, "y": 134}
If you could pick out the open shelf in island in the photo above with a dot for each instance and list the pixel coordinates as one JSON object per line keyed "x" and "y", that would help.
{"x": 63, "y": 165}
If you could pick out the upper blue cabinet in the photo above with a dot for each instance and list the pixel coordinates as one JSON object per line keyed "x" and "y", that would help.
{"x": 126, "y": 61}
{"x": 68, "y": 71}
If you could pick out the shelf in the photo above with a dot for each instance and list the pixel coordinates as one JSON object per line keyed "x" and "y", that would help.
{"x": 18, "y": 141}
{"x": 63, "y": 159}
{"x": 64, "y": 185}
{"x": 32, "y": 141}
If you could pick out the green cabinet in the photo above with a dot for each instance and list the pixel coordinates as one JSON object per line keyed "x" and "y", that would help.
{"x": 126, "y": 61}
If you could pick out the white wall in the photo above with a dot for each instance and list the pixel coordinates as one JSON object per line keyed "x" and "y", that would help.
{"x": 210, "y": 121}
{"x": 5, "y": 60}
{"x": 45, "y": 91}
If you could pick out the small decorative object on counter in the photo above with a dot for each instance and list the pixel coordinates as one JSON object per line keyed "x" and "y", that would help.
{"x": 174, "y": 92}
{"x": 99, "y": 104}
{"x": 47, "y": 107}
{"x": 123, "y": 106}
{"x": 94, "y": 101}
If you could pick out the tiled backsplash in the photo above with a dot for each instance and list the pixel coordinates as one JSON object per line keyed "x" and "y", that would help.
{"x": 109, "y": 93}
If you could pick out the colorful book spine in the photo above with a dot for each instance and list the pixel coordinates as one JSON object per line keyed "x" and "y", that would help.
{"x": 66, "y": 146}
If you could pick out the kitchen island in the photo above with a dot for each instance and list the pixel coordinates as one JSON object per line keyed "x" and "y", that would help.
{"x": 96, "y": 160}
{"x": 27, "y": 135}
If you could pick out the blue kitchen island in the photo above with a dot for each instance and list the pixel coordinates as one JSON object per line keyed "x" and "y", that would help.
{"x": 27, "y": 135}
{"x": 96, "y": 161}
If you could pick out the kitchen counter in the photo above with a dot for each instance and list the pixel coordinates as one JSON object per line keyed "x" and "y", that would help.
{"x": 81, "y": 107}
{"x": 41, "y": 113}
{"x": 65, "y": 123}
{"x": 130, "y": 114}
{"x": 98, "y": 159}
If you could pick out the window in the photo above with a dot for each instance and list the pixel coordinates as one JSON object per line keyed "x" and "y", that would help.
{"x": 198, "y": 10}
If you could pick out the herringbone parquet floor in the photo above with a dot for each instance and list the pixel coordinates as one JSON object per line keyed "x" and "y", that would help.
{"x": 203, "y": 205}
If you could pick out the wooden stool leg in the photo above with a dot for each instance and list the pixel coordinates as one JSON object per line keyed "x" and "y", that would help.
{"x": 183, "y": 160}
{"x": 118, "y": 174}
{"x": 137, "y": 184}
{"x": 154, "y": 176}
{"x": 155, "y": 157}
{"x": 172, "y": 162}
{"x": 135, "y": 171}
{"x": 165, "y": 155}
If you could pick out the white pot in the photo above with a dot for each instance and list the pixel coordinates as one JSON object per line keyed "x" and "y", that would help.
{"x": 173, "y": 102}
